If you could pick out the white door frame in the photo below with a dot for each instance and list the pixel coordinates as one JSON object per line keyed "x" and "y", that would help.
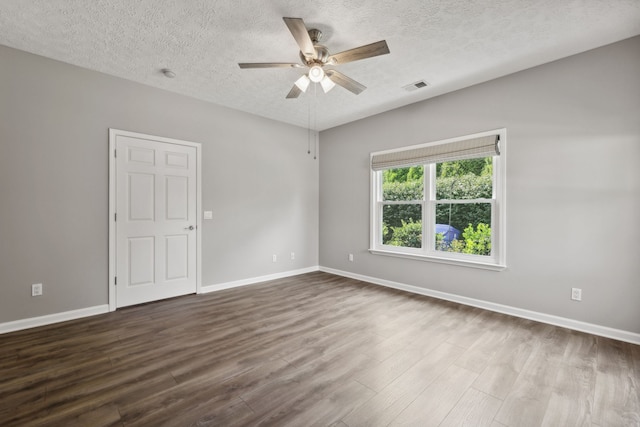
{"x": 113, "y": 133}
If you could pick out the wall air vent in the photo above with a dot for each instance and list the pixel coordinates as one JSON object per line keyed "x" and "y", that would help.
{"x": 415, "y": 85}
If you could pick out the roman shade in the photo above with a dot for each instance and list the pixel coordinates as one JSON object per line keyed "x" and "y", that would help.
{"x": 483, "y": 146}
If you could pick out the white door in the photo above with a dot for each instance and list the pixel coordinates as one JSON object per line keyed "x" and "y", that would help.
{"x": 155, "y": 221}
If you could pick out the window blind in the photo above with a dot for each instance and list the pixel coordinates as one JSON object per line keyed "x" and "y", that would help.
{"x": 483, "y": 146}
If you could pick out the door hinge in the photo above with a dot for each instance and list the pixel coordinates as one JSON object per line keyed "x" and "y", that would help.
{"x": 115, "y": 280}
{"x": 115, "y": 217}
{"x": 115, "y": 153}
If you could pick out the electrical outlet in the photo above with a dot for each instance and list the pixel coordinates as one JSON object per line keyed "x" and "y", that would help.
{"x": 36, "y": 289}
{"x": 275, "y": 258}
{"x": 576, "y": 294}
{"x": 351, "y": 257}
{"x": 293, "y": 255}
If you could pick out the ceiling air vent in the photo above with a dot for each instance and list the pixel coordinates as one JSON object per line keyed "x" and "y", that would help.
{"x": 415, "y": 85}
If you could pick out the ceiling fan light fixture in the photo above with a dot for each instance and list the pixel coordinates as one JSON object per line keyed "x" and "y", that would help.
{"x": 316, "y": 74}
{"x": 327, "y": 84}
{"x": 303, "y": 83}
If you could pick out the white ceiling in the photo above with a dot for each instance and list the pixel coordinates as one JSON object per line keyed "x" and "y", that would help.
{"x": 449, "y": 43}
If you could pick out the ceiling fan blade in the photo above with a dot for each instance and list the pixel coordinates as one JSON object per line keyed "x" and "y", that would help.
{"x": 300, "y": 33}
{"x": 294, "y": 92}
{"x": 268, "y": 65}
{"x": 346, "y": 82}
{"x": 362, "y": 52}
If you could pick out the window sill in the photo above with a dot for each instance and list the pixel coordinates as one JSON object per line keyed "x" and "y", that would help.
{"x": 459, "y": 262}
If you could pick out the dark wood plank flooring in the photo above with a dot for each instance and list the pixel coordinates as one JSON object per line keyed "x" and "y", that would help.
{"x": 315, "y": 349}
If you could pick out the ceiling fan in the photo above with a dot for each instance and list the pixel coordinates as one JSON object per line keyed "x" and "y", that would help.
{"x": 316, "y": 56}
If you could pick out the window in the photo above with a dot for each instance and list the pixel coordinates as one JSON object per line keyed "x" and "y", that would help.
{"x": 442, "y": 201}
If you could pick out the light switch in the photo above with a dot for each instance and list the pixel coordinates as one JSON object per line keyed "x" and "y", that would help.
{"x": 208, "y": 214}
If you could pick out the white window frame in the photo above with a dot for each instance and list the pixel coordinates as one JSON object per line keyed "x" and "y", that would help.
{"x": 496, "y": 261}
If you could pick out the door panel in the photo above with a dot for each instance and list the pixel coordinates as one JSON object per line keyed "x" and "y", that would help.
{"x": 142, "y": 203}
{"x": 177, "y": 160}
{"x": 141, "y": 155}
{"x": 177, "y": 257}
{"x": 155, "y": 228}
{"x": 177, "y": 196}
{"x": 141, "y": 260}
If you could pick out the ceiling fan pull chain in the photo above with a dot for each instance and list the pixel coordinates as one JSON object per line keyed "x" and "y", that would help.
{"x": 315, "y": 119}
{"x": 309, "y": 127}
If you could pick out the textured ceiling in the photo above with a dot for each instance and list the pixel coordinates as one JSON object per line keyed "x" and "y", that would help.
{"x": 449, "y": 43}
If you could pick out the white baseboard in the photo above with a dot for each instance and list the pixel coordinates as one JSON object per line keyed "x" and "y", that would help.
{"x": 603, "y": 331}
{"x": 49, "y": 319}
{"x": 254, "y": 280}
{"x": 18, "y": 325}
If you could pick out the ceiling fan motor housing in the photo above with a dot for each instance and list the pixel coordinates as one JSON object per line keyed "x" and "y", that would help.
{"x": 322, "y": 53}
{"x": 322, "y": 56}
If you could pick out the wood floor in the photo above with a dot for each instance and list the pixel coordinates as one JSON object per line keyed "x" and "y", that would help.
{"x": 315, "y": 349}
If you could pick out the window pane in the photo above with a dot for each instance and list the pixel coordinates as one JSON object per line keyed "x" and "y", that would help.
{"x": 465, "y": 179}
{"x": 403, "y": 183}
{"x": 402, "y": 225}
{"x": 463, "y": 228}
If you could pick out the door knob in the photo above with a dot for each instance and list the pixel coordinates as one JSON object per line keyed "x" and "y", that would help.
{"x": 189, "y": 227}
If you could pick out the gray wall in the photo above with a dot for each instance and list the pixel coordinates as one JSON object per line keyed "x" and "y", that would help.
{"x": 54, "y": 119}
{"x": 573, "y": 187}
